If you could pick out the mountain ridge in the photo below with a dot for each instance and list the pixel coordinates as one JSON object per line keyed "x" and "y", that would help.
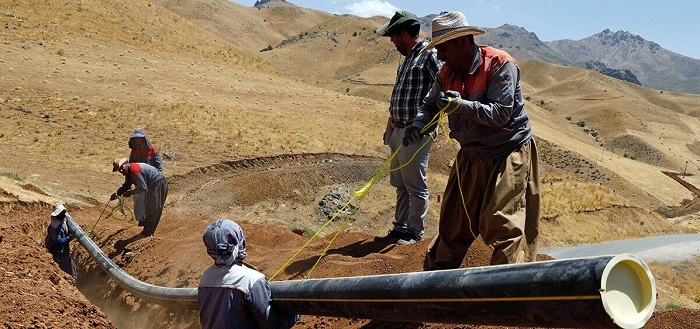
{"x": 623, "y": 55}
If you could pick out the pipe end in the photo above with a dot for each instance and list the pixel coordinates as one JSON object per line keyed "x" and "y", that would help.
{"x": 628, "y": 291}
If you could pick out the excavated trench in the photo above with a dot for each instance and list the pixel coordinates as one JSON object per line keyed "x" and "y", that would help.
{"x": 283, "y": 190}
{"x": 258, "y": 192}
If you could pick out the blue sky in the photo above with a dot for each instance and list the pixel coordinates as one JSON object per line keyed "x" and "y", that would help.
{"x": 673, "y": 24}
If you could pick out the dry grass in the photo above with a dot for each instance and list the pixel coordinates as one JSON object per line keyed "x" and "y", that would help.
{"x": 678, "y": 284}
{"x": 578, "y": 212}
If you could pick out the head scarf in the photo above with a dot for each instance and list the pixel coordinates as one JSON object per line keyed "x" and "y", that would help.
{"x": 225, "y": 242}
{"x": 138, "y": 133}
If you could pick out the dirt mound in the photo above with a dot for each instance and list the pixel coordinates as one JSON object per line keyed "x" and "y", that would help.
{"x": 35, "y": 292}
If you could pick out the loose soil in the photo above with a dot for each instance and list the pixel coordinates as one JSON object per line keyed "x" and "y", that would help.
{"x": 36, "y": 293}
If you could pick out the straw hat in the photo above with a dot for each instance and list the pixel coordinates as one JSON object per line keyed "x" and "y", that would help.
{"x": 448, "y": 26}
{"x": 118, "y": 163}
{"x": 57, "y": 209}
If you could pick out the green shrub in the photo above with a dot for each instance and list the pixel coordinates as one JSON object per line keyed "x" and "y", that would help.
{"x": 11, "y": 175}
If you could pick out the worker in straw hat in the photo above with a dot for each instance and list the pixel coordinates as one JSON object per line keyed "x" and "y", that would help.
{"x": 58, "y": 238}
{"x": 414, "y": 77}
{"x": 145, "y": 179}
{"x": 493, "y": 189}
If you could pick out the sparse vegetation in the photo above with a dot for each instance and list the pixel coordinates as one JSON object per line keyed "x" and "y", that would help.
{"x": 11, "y": 175}
{"x": 268, "y": 48}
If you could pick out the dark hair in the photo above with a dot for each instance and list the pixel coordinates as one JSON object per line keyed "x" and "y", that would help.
{"x": 413, "y": 30}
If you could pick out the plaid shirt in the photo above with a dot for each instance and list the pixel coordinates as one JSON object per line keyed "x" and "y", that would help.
{"x": 414, "y": 78}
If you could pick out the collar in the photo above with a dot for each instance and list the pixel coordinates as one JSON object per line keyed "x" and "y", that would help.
{"x": 476, "y": 59}
{"x": 418, "y": 48}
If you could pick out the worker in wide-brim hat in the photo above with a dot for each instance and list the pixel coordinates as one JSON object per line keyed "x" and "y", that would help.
{"x": 415, "y": 76}
{"x": 493, "y": 188}
{"x": 58, "y": 237}
{"x": 147, "y": 180}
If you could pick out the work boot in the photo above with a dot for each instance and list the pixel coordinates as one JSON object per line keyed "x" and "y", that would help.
{"x": 409, "y": 238}
{"x": 392, "y": 236}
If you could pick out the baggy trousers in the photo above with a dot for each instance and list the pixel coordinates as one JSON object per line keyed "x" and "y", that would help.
{"x": 499, "y": 200}
{"x": 140, "y": 206}
{"x": 155, "y": 201}
{"x": 410, "y": 182}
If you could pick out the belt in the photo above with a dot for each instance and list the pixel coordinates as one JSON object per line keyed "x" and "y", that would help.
{"x": 399, "y": 124}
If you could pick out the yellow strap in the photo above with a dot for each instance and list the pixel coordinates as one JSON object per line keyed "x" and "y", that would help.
{"x": 439, "y": 119}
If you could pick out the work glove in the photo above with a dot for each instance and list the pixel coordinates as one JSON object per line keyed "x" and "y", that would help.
{"x": 113, "y": 197}
{"x": 444, "y": 100}
{"x": 411, "y": 134}
{"x": 127, "y": 194}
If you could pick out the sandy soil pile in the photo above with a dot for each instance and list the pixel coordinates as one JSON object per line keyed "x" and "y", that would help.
{"x": 35, "y": 293}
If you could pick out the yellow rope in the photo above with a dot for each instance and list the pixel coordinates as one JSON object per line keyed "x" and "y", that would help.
{"x": 438, "y": 119}
{"x": 124, "y": 210}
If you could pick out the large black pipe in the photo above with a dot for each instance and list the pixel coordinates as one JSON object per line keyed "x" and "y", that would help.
{"x": 177, "y": 297}
{"x": 599, "y": 292}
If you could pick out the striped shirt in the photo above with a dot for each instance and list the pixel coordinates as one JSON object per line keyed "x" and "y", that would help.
{"x": 414, "y": 78}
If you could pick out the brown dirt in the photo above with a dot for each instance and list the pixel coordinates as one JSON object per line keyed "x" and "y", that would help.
{"x": 247, "y": 135}
{"x": 33, "y": 284}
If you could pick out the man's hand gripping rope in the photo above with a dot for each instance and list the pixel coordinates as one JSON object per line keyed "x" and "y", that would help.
{"x": 448, "y": 102}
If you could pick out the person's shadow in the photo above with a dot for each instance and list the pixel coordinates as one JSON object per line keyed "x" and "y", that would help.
{"x": 378, "y": 324}
{"x": 120, "y": 246}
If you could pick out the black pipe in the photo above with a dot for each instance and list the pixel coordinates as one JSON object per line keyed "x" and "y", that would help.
{"x": 176, "y": 297}
{"x": 597, "y": 292}
{"x": 600, "y": 292}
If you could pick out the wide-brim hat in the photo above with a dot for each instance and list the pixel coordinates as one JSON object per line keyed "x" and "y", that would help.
{"x": 450, "y": 25}
{"x": 58, "y": 208}
{"x": 118, "y": 163}
{"x": 399, "y": 22}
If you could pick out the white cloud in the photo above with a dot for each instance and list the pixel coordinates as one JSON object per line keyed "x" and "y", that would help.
{"x": 369, "y": 8}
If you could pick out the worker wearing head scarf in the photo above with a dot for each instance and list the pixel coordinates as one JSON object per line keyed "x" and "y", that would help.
{"x": 142, "y": 151}
{"x": 232, "y": 295}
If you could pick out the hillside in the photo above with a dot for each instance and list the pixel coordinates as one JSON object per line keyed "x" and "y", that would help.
{"x": 265, "y": 137}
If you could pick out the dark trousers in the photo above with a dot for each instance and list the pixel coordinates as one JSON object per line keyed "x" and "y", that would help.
{"x": 65, "y": 262}
{"x": 155, "y": 201}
